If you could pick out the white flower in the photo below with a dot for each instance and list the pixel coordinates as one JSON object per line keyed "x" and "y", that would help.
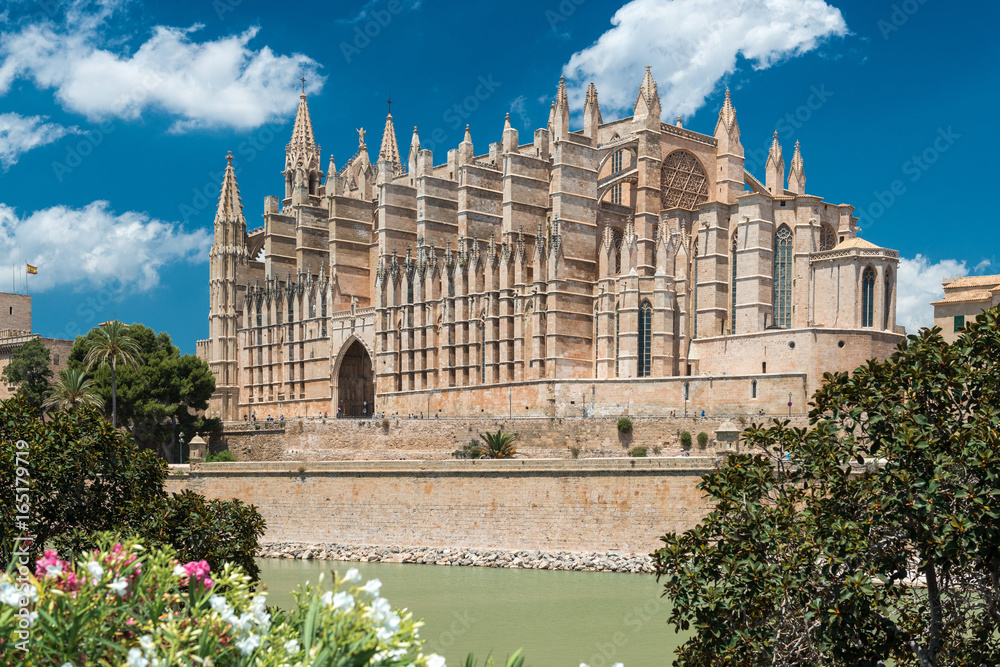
{"x": 383, "y": 635}
{"x": 435, "y": 660}
{"x": 118, "y": 586}
{"x": 248, "y": 644}
{"x": 179, "y": 570}
{"x": 219, "y": 605}
{"x": 32, "y": 617}
{"x": 67, "y": 664}
{"x": 618, "y": 664}
{"x": 53, "y": 570}
{"x": 95, "y": 569}
{"x": 352, "y": 576}
{"x": 11, "y": 594}
{"x": 292, "y": 646}
{"x": 146, "y": 642}
{"x": 343, "y": 601}
{"x": 372, "y": 587}
{"x": 135, "y": 658}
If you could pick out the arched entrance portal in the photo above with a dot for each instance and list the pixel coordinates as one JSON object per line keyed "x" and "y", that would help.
{"x": 355, "y": 385}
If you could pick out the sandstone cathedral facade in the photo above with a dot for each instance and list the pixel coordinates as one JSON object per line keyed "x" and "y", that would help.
{"x": 628, "y": 267}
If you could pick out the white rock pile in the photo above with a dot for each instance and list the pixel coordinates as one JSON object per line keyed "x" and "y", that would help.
{"x": 609, "y": 561}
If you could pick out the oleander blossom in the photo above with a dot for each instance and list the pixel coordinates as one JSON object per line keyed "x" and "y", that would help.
{"x": 199, "y": 571}
{"x": 49, "y": 566}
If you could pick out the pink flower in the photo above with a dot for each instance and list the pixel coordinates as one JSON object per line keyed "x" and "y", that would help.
{"x": 200, "y": 571}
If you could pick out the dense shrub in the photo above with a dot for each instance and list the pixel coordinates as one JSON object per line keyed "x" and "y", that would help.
{"x": 624, "y": 425}
{"x": 637, "y": 451}
{"x": 702, "y": 440}
{"x": 126, "y": 604}
{"x": 574, "y": 451}
{"x": 225, "y": 456}
{"x": 685, "y": 440}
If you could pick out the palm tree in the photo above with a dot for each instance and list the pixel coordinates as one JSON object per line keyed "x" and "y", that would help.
{"x": 71, "y": 390}
{"x": 497, "y": 445}
{"x": 112, "y": 345}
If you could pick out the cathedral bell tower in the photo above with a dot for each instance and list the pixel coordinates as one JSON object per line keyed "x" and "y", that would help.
{"x": 228, "y": 254}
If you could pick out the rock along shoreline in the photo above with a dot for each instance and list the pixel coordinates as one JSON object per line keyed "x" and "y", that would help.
{"x": 526, "y": 559}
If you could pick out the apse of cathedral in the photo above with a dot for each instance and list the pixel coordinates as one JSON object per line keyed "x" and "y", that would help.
{"x": 628, "y": 267}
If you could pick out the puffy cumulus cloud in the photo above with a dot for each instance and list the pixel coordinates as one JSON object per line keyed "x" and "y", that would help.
{"x": 919, "y": 285}
{"x": 19, "y": 134}
{"x": 692, "y": 44}
{"x": 213, "y": 83}
{"x": 93, "y": 246}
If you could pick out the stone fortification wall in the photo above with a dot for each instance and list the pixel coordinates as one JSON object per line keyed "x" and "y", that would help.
{"x": 347, "y": 439}
{"x": 589, "y": 505}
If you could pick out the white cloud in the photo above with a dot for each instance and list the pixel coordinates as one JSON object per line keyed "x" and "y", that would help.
{"x": 19, "y": 134}
{"x": 692, "y": 44}
{"x": 93, "y": 246}
{"x": 919, "y": 285}
{"x": 221, "y": 82}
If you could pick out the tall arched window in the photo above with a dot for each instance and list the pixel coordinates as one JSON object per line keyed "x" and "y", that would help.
{"x": 868, "y": 298}
{"x": 783, "y": 277}
{"x": 694, "y": 289}
{"x": 887, "y": 303}
{"x": 645, "y": 337}
{"x": 732, "y": 286}
{"x": 618, "y": 321}
{"x": 616, "y": 194}
{"x": 753, "y": 389}
{"x": 616, "y": 162}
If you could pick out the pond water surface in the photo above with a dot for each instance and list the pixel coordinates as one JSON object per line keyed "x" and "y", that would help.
{"x": 558, "y": 618}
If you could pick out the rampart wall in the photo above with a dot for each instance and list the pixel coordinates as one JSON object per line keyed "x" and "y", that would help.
{"x": 575, "y": 505}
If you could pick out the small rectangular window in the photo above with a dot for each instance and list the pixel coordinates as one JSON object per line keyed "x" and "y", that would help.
{"x": 959, "y": 322}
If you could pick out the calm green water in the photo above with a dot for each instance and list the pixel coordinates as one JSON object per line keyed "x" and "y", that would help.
{"x": 559, "y": 618}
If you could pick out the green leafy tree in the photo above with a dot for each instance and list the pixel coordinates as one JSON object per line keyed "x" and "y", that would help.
{"x": 83, "y": 476}
{"x": 77, "y": 477}
{"x": 71, "y": 390}
{"x": 30, "y": 369}
{"x": 499, "y": 445}
{"x": 813, "y": 548}
{"x": 160, "y": 396}
{"x": 109, "y": 345}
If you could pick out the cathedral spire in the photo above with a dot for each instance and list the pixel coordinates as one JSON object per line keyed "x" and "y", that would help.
{"x": 509, "y": 138}
{"x": 560, "y": 119}
{"x": 774, "y": 170}
{"x": 302, "y": 154}
{"x": 727, "y": 115}
{"x": 389, "y": 152}
{"x": 591, "y": 113}
{"x": 466, "y": 152}
{"x": 230, "y": 209}
{"x": 797, "y": 173}
{"x": 647, "y": 103}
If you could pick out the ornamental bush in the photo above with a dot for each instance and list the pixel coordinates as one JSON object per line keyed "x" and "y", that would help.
{"x": 124, "y": 604}
{"x": 624, "y": 425}
{"x": 685, "y": 440}
{"x": 638, "y": 451}
{"x": 702, "y": 440}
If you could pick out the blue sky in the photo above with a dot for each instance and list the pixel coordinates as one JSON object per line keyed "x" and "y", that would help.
{"x": 116, "y": 116}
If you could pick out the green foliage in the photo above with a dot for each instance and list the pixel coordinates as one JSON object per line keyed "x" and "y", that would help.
{"x": 216, "y": 531}
{"x": 624, "y": 425}
{"x": 574, "y": 451}
{"x": 499, "y": 445}
{"x": 158, "y": 397}
{"x": 70, "y": 391}
{"x": 516, "y": 660}
{"x": 469, "y": 451}
{"x": 29, "y": 369}
{"x": 637, "y": 451}
{"x": 127, "y": 604}
{"x": 702, "y": 440}
{"x": 225, "y": 456}
{"x": 806, "y": 561}
{"x": 84, "y": 476}
{"x": 685, "y": 440}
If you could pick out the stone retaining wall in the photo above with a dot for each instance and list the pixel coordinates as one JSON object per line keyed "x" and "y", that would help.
{"x": 594, "y": 505}
{"x": 436, "y": 439}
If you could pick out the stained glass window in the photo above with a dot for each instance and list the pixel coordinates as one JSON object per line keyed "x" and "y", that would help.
{"x": 645, "y": 337}
{"x": 783, "y": 277}
{"x": 732, "y": 287}
{"x": 868, "y": 298}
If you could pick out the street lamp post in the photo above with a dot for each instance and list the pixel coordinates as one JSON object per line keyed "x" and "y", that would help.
{"x": 789, "y": 404}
